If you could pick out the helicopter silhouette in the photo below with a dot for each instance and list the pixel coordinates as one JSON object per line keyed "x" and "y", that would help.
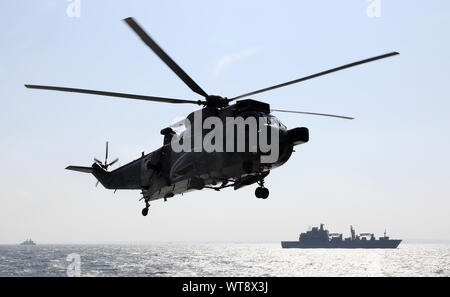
{"x": 164, "y": 173}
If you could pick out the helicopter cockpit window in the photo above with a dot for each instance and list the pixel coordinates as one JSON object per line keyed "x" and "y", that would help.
{"x": 272, "y": 120}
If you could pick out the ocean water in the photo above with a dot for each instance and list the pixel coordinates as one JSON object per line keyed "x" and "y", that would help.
{"x": 221, "y": 259}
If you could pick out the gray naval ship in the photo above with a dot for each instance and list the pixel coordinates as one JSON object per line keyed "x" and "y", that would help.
{"x": 321, "y": 238}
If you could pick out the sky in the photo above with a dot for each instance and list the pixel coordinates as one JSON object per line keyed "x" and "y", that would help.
{"x": 387, "y": 169}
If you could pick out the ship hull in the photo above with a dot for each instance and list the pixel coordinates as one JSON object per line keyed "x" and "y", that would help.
{"x": 354, "y": 244}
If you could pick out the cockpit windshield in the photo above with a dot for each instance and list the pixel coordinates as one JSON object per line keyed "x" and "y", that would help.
{"x": 275, "y": 121}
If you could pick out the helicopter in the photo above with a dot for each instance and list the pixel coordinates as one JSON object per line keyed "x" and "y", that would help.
{"x": 165, "y": 172}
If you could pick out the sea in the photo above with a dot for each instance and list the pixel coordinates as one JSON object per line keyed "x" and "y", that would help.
{"x": 220, "y": 259}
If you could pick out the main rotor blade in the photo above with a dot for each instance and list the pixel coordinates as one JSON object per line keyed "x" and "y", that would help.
{"x": 317, "y": 75}
{"x": 112, "y": 94}
{"x": 163, "y": 56}
{"x": 314, "y": 113}
{"x": 106, "y": 155}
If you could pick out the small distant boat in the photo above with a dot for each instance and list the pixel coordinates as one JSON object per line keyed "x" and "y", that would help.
{"x": 28, "y": 242}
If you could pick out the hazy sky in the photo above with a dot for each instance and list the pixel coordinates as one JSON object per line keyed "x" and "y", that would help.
{"x": 389, "y": 168}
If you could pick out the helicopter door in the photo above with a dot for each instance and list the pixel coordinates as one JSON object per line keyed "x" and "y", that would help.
{"x": 149, "y": 166}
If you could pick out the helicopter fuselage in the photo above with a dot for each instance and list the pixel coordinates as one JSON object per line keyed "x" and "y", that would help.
{"x": 164, "y": 172}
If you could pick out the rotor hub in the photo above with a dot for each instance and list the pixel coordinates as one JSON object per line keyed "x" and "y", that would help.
{"x": 216, "y": 101}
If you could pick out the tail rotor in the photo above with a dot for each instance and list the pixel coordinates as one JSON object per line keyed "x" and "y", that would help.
{"x": 105, "y": 164}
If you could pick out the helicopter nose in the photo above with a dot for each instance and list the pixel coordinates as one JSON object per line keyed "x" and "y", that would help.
{"x": 298, "y": 135}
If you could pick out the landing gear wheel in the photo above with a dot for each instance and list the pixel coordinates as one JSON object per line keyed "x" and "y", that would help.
{"x": 262, "y": 193}
{"x": 145, "y": 209}
{"x": 258, "y": 192}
